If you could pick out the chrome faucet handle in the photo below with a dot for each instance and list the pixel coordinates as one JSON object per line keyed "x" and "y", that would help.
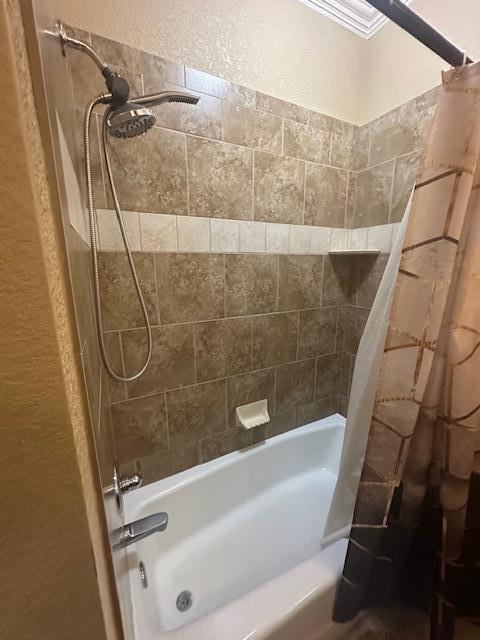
{"x": 140, "y": 529}
{"x": 122, "y": 485}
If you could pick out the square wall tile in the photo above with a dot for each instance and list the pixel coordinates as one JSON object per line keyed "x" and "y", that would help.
{"x": 214, "y": 86}
{"x": 317, "y": 332}
{"x": 172, "y": 363}
{"x": 190, "y": 286}
{"x": 338, "y": 285}
{"x": 196, "y": 412}
{"x": 150, "y": 172}
{"x": 372, "y": 196}
{"x": 250, "y": 128}
{"x": 300, "y": 282}
{"x": 120, "y": 306}
{"x": 220, "y": 179}
{"x": 281, "y": 108}
{"x": 158, "y": 232}
{"x": 251, "y": 284}
{"x": 252, "y": 237}
{"x": 306, "y": 143}
{"x": 225, "y": 236}
{"x": 222, "y": 348}
{"x": 325, "y": 196}
{"x": 278, "y": 188}
{"x": 277, "y": 238}
{"x": 193, "y": 234}
{"x": 406, "y": 170}
{"x": 140, "y": 427}
{"x": 295, "y": 385}
{"x": 274, "y": 339}
{"x": 330, "y": 375}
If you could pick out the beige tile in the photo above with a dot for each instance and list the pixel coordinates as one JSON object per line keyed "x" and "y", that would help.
{"x": 207, "y": 83}
{"x": 295, "y": 385}
{"x": 225, "y": 235}
{"x": 196, "y": 412}
{"x": 372, "y": 196}
{"x": 222, "y": 348}
{"x": 280, "y": 423}
{"x": 158, "y": 232}
{"x": 325, "y": 196}
{"x": 399, "y": 132}
{"x": 220, "y": 179}
{"x": 140, "y": 427}
{"x": 190, "y": 286}
{"x": 358, "y": 239}
{"x": 355, "y": 321}
{"x": 224, "y": 443}
{"x": 277, "y": 238}
{"x": 252, "y": 237}
{"x": 327, "y": 123}
{"x": 193, "y": 234}
{"x": 172, "y": 363}
{"x": 109, "y": 235}
{"x": 379, "y": 238}
{"x": 369, "y": 271}
{"x": 330, "y": 375}
{"x": 117, "y": 391}
{"x": 339, "y": 239}
{"x": 278, "y": 188}
{"x": 251, "y": 284}
{"x": 166, "y": 463}
{"x": 300, "y": 280}
{"x": 337, "y": 280}
{"x": 121, "y": 308}
{"x": 299, "y": 239}
{"x": 406, "y": 170}
{"x": 150, "y": 172}
{"x": 316, "y": 332}
{"x": 203, "y": 119}
{"x": 250, "y": 387}
{"x": 274, "y": 339}
{"x": 361, "y": 148}
{"x": 138, "y": 61}
{"x": 252, "y": 128}
{"x": 343, "y": 148}
{"x": 281, "y": 108}
{"x": 306, "y": 143}
{"x": 320, "y": 240}
{"x": 312, "y": 411}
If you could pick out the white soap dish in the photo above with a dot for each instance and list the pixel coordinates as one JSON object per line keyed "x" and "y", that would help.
{"x": 253, "y": 414}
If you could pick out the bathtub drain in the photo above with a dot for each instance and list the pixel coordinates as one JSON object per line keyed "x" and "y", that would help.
{"x": 184, "y": 601}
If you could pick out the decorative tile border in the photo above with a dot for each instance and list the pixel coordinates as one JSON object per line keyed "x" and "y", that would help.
{"x": 164, "y": 233}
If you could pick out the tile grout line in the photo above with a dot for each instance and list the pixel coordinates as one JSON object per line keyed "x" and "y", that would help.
{"x": 187, "y": 174}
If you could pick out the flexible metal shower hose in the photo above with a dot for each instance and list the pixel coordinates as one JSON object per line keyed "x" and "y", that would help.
{"x": 93, "y": 238}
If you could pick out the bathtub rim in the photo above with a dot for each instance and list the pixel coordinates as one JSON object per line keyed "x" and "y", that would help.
{"x": 165, "y": 486}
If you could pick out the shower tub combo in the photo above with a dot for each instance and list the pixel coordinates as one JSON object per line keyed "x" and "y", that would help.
{"x": 243, "y": 556}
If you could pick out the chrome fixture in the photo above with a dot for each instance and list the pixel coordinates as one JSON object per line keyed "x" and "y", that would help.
{"x": 124, "y": 117}
{"x": 143, "y": 574}
{"x": 122, "y": 485}
{"x": 141, "y": 529}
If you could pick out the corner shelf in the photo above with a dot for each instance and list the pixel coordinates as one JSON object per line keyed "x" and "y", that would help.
{"x": 353, "y": 252}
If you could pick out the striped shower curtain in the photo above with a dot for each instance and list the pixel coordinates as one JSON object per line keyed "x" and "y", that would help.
{"x": 415, "y": 539}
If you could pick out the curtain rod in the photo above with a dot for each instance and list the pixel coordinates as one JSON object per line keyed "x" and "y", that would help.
{"x": 416, "y": 26}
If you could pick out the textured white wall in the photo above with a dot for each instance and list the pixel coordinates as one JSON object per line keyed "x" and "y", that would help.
{"x": 284, "y": 48}
{"x": 280, "y": 47}
{"x": 396, "y": 68}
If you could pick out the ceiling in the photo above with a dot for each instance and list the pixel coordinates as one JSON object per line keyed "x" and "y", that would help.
{"x": 356, "y": 15}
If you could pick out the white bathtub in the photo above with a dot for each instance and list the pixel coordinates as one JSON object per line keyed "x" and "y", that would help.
{"x": 244, "y": 538}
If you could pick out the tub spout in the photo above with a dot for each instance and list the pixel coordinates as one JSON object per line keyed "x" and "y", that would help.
{"x": 140, "y": 529}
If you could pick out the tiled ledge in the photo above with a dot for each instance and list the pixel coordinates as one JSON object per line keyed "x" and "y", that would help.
{"x": 155, "y": 232}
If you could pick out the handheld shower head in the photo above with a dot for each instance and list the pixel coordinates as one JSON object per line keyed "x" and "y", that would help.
{"x": 128, "y": 120}
{"x": 136, "y": 116}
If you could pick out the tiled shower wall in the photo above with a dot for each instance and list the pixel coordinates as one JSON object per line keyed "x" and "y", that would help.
{"x": 231, "y": 327}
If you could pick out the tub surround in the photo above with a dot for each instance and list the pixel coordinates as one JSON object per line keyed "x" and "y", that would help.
{"x": 231, "y": 208}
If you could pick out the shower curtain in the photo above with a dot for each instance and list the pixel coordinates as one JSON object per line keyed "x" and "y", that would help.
{"x": 415, "y": 538}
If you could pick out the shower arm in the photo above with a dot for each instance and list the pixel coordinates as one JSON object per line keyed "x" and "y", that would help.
{"x": 117, "y": 86}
